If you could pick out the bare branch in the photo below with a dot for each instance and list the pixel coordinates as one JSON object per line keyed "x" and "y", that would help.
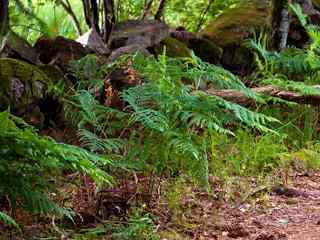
{"x": 67, "y": 7}
{"x": 147, "y": 9}
{"x": 272, "y": 91}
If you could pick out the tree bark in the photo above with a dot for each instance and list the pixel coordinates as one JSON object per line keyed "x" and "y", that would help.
{"x": 4, "y": 19}
{"x": 91, "y": 14}
{"x": 160, "y": 11}
{"x": 109, "y": 19}
{"x": 147, "y": 9}
{"x": 284, "y": 27}
{"x": 272, "y": 91}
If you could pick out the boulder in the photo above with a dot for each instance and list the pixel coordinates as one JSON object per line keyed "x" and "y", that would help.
{"x": 16, "y": 47}
{"x": 59, "y": 51}
{"x": 22, "y": 87}
{"x": 237, "y": 23}
{"x": 174, "y": 48}
{"x": 203, "y": 48}
{"x": 145, "y": 33}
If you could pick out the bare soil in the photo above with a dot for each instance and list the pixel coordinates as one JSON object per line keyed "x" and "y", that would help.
{"x": 281, "y": 217}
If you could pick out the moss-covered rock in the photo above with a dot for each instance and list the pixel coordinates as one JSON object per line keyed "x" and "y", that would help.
{"x": 174, "y": 48}
{"x": 22, "y": 85}
{"x": 203, "y": 48}
{"x": 316, "y": 3}
{"x": 238, "y": 22}
{"x": 206, "y": 50}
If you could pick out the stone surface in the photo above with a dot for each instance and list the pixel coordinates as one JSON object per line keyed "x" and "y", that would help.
{"x": 145, "y": 33}
{"x": 22, "y": 85}
{"x": 174, "y": 48}
{"x": 239, "y": 22}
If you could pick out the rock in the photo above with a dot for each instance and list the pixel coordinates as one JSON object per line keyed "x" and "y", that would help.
{"x": 129, "y": 49}
{"x": 59, "y": 51}
{"x": 16, "y": 47}
{"x": 22, "y": 87}
{"x": 203, "y": 48}
{"x": 145, "y": 33}
{"x": 174, "y": 48}
{"x": 92, "y": 40}
{"x": 237, "y": 23}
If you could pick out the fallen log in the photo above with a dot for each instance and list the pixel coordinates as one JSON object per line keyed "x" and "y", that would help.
{"x": 270, "y": 90}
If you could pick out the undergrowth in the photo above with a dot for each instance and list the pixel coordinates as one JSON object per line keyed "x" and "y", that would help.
{"x": 29, "y": 164}
{"x": 170, "y": 123}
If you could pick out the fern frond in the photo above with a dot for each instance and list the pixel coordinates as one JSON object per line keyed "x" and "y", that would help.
{"x": 97, "y": 144}
{"x": 8, "y": 220}
{"x": 297, "y": 10}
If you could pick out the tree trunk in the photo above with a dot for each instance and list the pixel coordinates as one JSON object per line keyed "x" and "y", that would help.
{"x": 160, "y": 11}
{"x": 67, "y": 7}
{"x": 4, "y": 19}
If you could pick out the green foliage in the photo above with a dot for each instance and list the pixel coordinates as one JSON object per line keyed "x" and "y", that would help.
{"x": 195, "y": 14}
{"x": 247, "y": 153}
{"x": 8, "y": 220}
{"x": 30, "y": 162}
{"x": 139, "y": 227}
{"x": 174, "y": 120}
{"x": 292, "y": 68}
{"x": 44, "y": 17}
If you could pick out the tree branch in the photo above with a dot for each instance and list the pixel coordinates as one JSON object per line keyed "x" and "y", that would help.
{"x": 160, "y": 11}
{"x": 67, "y": 7}
{"x": 272, "y": 91}
{"x": 204, "y": 13}
{"x": 4, "y": 19}
{"x": 109, "y": 19}
{"x": 147, "y": 9}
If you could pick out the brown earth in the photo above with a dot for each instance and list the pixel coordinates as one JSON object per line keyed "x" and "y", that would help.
{"x": 278, "y": 217}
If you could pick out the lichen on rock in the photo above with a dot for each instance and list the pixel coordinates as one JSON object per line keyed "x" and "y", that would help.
{"x": 22, "y": 85}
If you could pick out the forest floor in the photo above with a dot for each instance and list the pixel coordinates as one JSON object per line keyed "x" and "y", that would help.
{"x": 293, "y": 214}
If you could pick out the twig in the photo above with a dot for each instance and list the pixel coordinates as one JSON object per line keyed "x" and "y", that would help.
{"x": 147, "y": 9}
{"x": 204, "y": 13}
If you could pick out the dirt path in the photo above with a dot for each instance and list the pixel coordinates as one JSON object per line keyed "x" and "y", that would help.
{"x": 292, "y": 217}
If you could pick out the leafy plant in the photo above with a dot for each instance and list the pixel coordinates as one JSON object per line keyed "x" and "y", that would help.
{"x": 28, "y": 163}
{"x": 139, "y": 227}
{"x": 174, "y": 120}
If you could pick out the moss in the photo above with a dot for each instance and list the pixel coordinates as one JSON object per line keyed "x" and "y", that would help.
{"x": 240, "y": 21}
{"x": 21, "y": 84}
{"x": 207, "y": 50}
{"x": 174, "y": 48}
{"x": 316, "y": 3}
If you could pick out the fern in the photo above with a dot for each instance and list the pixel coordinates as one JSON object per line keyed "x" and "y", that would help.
{"x": 8, "y": 220}
{"x": 297, "y": 10}
{"x": 166, "y": 109}
{"x": 28, "y": 161}
{"x": 168, "y": 123}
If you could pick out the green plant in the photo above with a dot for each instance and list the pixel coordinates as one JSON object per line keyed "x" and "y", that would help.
{"x": 139, "y": 227}
{"x": 30, "y": 162}
{"x": 171, "y": 123}
{"x": 248, "y": 153}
